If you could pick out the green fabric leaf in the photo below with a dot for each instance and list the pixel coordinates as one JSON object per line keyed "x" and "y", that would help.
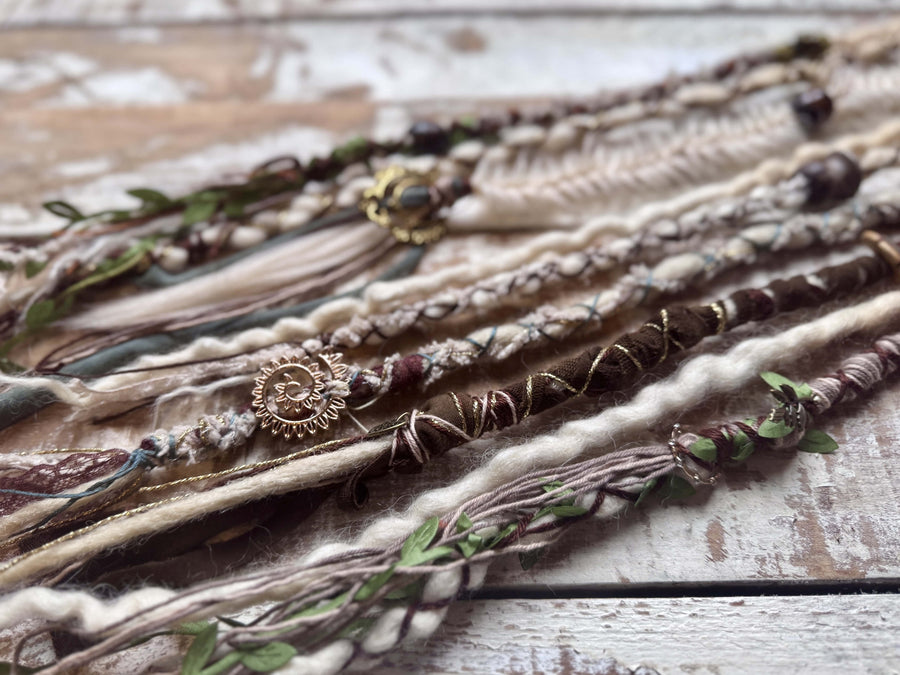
{"x": 10, "y": 367}
{"x": 64, "y": 210}
{"x": 567, "y": 511}
{"x": 471, "y": 545}
{"x": 6, "y": 266}
{"x": 464, "y": 523}
{"x": 409, "y": 591}
{"x": 704, "y": 449}
{"x": 6, "y": 669}
{"x": 503, "y": 534}
{"x": 222, "y": 665}
{"x": 555, "y": 485}
{"x": 321, "y": 609}
{"x": 269, "y": 657}
{"x": 351, "y": 151}
{"x": 676, "y": 488}
{"x": 770, "y": 429}
{"x": 33, "y": 268}
{"x": 646, "y": 490}
{"x": 149, "y": 197}
{"x": 417, "y": 557}
{"x": 371, "y": 587}
{"x": 234, "y": 623}
{"x": 421, "y": 538}
{"x": 114, "y": 267}
{"x": 234, "y": 208}
{"x": 193, "y": 627}
{"x": 40, "y": 314}
{"x": 198, "y": 211}
{"x": 201, "y": 649}
{"x": 775, "y": 381}
{"x": 817, "y": 441}
{"x": 743, "y": 446}
{"x": 528, "y": 559}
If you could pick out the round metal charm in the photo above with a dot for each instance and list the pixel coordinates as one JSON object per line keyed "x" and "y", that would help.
{"x": 299, "y": 395}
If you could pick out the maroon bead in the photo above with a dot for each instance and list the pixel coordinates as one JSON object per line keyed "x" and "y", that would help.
{"x": 832, "y": 179}
{"x": 813, "y": 108}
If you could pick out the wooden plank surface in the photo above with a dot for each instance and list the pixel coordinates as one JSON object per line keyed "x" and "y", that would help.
{"x": 826, "y": 635}
{"x": 62, "y": 12}
{"x": 89, "y": 110}
{"x": 216, "y": 99}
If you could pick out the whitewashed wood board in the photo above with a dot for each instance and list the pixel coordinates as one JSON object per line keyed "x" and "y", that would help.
{"x": 209, "y": 94}
{"x": 826, "y": 635}
{"x": 381, "y": 59}
{"x": 43, "y": 12}
{"x": 86, "y": 112}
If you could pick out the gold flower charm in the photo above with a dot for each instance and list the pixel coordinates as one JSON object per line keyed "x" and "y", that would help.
{"x": 297, "y": 395}
{"x": 401, "y": 201}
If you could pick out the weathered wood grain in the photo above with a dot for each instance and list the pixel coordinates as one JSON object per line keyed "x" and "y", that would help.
{"x": 60, "y": 12}
{"x": 783, "y": 517}
{"x": 68, "y": 95}
{"x": 722, "y": 636}
{"x": 113, "y": 101}
{"x": 413, "y": 58}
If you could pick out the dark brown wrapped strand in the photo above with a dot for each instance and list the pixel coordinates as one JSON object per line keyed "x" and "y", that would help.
{"x": 449, "y": 420}
{"x": 747, "y": 305}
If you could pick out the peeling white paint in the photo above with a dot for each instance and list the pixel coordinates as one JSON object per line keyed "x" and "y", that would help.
{"x": 41, "y": 69}
{"x": 84, "y": 167}
{"x": 144, "y": 86}
{"x": 140, "y": 34}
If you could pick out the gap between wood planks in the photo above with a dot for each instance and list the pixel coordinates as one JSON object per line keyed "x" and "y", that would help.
{"x": 776, "y": 587}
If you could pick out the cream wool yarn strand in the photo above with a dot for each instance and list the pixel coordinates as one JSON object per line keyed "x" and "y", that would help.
{"x": 694, "y": 382}
{"x": 624, "y": 470}
{"x": 381, "y": 296}
{"x": 670, "y": 276}
{"x": 600, "y": 177}
{"x": 765, "y": 203}
{"x": 701, "y": 377}
{"x": 262, "y": 272}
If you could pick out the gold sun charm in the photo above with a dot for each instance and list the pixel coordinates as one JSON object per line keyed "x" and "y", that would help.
{"x": 299, "y": 395}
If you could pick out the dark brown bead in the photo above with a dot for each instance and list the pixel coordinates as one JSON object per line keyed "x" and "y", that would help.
{"x": 460, "y": 186}
{"x": 813, "y": 108}
{"x": 654, "y": 93}
{"x": 832, "y": 179}
{"x": 429, "y": 138}
{"x": 723, "y": 70}
{"x": 576, "y": 108}
{"x": 544, "y": 118}
{"x": 488, "y": 126}
{"x": 319, "y": 168}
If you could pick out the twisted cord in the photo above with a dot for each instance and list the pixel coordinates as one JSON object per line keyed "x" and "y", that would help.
{"x": 522, "y": 516}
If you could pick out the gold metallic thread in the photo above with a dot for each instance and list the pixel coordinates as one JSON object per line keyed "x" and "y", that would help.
{"x": 883, "y": 248}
